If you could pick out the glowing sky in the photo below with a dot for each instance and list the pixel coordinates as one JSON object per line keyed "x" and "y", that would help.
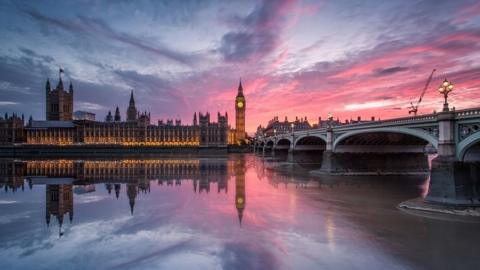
{"x": 296, "y": 58}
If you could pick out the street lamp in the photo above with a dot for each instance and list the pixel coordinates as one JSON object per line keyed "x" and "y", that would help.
{"x": 445, "y": 88}
{"x": 293, "y": 133}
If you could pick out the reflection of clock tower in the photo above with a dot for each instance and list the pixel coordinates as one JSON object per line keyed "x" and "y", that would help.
{"x": 240, "y": 199}
{"x": 240, "y": 105}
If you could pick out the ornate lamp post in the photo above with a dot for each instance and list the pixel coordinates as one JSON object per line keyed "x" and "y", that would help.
{"x": 445, "y": 88}
{"x": 330, "y": 119}
{"x": 292, "y": 125}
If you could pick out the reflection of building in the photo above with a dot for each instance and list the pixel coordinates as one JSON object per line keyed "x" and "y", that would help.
{"x": 59, "y": 202}
{"x": 61, "y": 176}
{"x": 240, "y": 198}
{"x": 11, "y": 176}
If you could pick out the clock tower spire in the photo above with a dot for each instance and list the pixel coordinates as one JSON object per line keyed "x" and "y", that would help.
{"x": 240, "y": 105}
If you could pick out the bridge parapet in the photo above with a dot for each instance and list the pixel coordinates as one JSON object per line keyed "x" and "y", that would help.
{"x": 468, "y": 113}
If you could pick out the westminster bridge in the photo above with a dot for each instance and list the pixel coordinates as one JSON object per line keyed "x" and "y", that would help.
{"x": 395, "y": 146}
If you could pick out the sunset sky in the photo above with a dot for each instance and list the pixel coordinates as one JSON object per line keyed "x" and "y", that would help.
{"x": 295, "y": 58}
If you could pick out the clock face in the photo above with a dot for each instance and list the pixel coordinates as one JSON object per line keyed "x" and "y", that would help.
{"x": 240, "y": 104}
{"x": 240, "y": 200}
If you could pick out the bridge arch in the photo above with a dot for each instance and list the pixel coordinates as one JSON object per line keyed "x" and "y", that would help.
{"x": 414, "y": 133}
{"x": 467, "y": 144}
{"x": 269, "y": 144}
{"x": 284, "y": 142}
{"x": 310, "y": 138}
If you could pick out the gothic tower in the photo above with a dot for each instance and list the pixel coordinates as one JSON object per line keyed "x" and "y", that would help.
{"x": 117, "y": 115}
{"x": 132, "y": 110}
{"x": 240, "y": 105}
{"x": 59, "y": 102}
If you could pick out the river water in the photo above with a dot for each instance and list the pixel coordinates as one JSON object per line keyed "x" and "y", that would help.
{"x": 232, "y": 212}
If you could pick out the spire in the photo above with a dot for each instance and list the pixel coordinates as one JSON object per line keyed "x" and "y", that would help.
{"x": 240, "y": 88}
{"x": 60, "y": 82}
{"x": 47, "y": 86}
{"x": 70, "y": 88}
{"x": 132, "y": 100}
{"x": 117, "y": 115}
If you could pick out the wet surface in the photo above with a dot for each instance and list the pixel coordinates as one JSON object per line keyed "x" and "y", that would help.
{"x": 236, "y": 212}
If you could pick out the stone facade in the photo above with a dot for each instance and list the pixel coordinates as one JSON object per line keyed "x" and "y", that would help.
{"x": 61, "y": 129}
{"x": 240, "y": 106}
{"x": 59, "y": 102}
{"x": 11, "y": 129}
{"x": 136, "y": 131}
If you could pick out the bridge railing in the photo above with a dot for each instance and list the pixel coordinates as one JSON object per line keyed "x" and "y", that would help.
{"x": 390, "y": 122}
{"x": 467, "y": 113}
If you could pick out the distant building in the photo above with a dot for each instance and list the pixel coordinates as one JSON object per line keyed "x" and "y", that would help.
{"x": 277, "y": 127}
{"x": 82, "y": 115}
{"x": 11, "y": 129}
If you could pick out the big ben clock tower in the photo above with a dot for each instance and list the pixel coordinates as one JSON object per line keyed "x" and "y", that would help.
{"x": 240, "y": 105}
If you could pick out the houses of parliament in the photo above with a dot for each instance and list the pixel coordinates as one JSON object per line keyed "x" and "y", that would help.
{"x": 60, "y": 127}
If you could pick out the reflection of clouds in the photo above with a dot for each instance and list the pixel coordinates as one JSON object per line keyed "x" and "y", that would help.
{"x": 5, "y": 219}
{"x": 7, "y": 202}
{"x": 247, "y": 256}
{"x": 88, "y": 199}
{"x": 85, "y": 246}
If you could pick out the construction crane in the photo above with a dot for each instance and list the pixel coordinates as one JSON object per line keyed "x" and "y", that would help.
{"x": 414, "y": 108}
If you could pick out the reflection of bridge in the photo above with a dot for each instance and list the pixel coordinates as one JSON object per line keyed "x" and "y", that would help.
{"x": 393, "y": 145}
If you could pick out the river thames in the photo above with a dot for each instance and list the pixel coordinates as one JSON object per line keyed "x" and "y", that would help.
{"x": 231, "y": 212}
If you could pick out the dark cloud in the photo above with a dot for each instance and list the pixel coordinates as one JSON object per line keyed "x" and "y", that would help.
{"x": 99, "y": 28}
{"x": 259, "y": 32}
{"x": 458, "y": 45}
{"x": 388, "y": 71}
{"x": 157, "y": 93}
{"x": 28, "y": 52}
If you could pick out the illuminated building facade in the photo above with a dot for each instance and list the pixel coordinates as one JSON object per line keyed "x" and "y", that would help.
{"x": 62, "y": 129}
{"x": 137, "y": 130}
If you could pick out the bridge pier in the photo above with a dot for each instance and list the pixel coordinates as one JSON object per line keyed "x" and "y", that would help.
{"x": 452, "y": 182}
